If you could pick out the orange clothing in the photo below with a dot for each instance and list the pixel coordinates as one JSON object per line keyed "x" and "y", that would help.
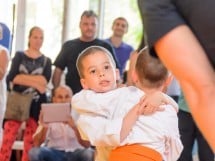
{"x": 134, "y": 152}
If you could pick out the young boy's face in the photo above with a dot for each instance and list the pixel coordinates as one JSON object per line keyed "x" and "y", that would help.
{"x": 99, "y": 73}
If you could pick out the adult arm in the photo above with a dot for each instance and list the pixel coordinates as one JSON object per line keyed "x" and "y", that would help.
{"x": 36, "y": 81}
{"x": 180, "y": 50}
{"x": 56, "y": 77}
{"x": 39, "y": 82}
{"x": 4, "y": 59}
{"x": 60, "y": 62}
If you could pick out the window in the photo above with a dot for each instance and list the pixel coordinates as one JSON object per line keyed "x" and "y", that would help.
{"x": 49, "y": 15}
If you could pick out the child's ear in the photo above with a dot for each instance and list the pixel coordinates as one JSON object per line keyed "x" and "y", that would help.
{"x": 169, "y": 80}
{"x": 117, "y": 75}
{"x": 134, "y": 76}
{"x": 83, "y": 83}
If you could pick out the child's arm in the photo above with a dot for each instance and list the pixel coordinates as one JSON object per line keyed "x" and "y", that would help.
{"x": 4, "y": 60}
{"x": 129, "y": 120}
{"x": 154, "y": 100}
{"x": 148, "y": 105}
{"x": 102, "y": 131}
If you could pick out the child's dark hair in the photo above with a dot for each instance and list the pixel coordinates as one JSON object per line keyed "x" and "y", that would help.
{"x": 150, "y": 70}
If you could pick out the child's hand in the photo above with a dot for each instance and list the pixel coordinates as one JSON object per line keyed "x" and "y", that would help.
{"x": 151, "y": 103}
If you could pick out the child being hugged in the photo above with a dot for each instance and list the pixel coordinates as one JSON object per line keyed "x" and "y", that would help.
{"x": 113, "y": 117}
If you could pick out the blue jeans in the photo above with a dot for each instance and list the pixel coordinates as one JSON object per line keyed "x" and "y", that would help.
{"x": 50, "y": 154}
{"x": 81, "y": 155}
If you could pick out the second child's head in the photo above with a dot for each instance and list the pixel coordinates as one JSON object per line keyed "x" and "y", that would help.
{"x": 150, "y": 73}
{"x": 97, "y": 69}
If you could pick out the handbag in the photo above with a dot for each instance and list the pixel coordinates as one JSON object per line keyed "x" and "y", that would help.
{"x": 18, "y": 106}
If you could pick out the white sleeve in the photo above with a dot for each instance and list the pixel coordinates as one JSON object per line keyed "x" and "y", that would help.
{"x": 99, "y": 130}
{"x": 87, "y": 101}
{"x": 171, "y": 102}
{"x": 174, "y": 148}
{"x": 84, "y": 102}
{"x": 173, "y": 144}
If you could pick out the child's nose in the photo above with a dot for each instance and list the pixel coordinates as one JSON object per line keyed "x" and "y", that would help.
{"x": 101, "y": 74}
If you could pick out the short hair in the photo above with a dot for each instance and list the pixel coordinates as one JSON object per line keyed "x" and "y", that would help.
{"x": 89, "y": 51}
{"x": 89, "y": 13}
{"x": 150, "y": 70}
{"x": 120, "y": 18}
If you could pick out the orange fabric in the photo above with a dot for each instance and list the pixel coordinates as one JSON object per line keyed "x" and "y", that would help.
{"x": 134, "y": 153}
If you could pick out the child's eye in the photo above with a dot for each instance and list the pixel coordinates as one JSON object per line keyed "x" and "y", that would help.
{"x": 92, "y": 71}
{"x": 107, "y": 67}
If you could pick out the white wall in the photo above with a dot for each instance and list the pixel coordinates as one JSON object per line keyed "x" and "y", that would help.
{"x": 6, "y": 9}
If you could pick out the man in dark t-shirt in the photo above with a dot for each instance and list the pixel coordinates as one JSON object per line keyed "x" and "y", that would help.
{"x": 72, "y": 48}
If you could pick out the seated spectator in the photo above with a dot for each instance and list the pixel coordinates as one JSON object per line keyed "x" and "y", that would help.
{"x": 29, "y": 73}
{"x": 61, "y": 140}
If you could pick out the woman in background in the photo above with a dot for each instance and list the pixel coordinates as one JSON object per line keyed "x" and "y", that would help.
{"x": 30, "y": 72}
